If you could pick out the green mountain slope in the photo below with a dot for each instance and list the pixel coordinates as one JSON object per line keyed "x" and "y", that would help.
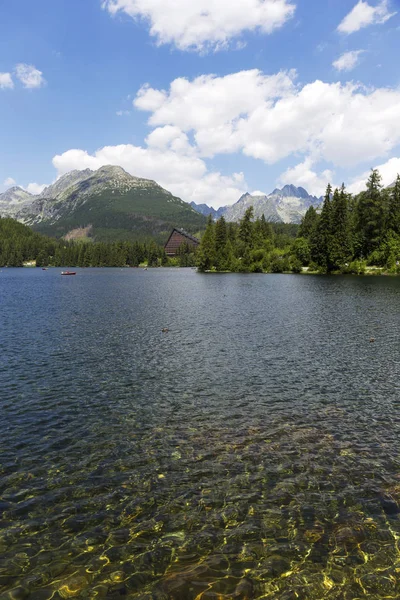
{"x": 113, "y": 205}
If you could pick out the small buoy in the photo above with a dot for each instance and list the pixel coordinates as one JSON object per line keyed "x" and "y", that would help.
{"x": 165, "y": 329}
{"x": 372, "y": 340}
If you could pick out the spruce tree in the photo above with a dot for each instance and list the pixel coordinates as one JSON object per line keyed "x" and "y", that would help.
{"x": 206, "y": 251}
{"x": 340, "y": 242}
{"x": 321, "y": 239}
{"x": 371, "y": 214}
{"x": 308, "y": 223}
{"x": 245, "y": 239}
{"x": 258, "y": 234}
{"x": 394, "y": 207}
{"x": 266, "y": 228}
{"x": 221, "y": 238}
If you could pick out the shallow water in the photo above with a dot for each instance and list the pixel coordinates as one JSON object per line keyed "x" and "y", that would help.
{"x": 252, "y": 451}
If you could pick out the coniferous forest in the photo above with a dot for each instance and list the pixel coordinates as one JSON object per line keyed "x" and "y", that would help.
{"x": 346, "y": 234}
{"x": 19, "y": 245}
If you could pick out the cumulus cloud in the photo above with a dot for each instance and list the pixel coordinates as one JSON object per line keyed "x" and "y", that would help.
{"x": 389, "y": 171}
{"x": 204, "y": 24}
{"x": 185, "y": 176}
{"x": 29, "y": 76}
{"x": 35, "y": 188}
{"x": 32, "y": 188}
{"x": 6, "y": 81}
{"x": 363, "y": 14}
{"x": 270, "y": 117}
{"x": 304, "y": 175}
{"x": 259, "y": 193}
{"x": 348, "y": 60}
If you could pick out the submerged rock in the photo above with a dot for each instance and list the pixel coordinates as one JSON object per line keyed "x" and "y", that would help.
{"x": 73, "y": 586}
{"x": 389, "y": 504}
{"x": 19, "y": 593}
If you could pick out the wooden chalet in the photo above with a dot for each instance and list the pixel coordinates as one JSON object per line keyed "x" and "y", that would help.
{"x": 176, "y": 239}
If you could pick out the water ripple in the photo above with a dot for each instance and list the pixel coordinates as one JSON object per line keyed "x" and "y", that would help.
{"x": 250, "y": 452}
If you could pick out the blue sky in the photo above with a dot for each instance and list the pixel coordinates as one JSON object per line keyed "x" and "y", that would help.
{"x": 210, "y": 98}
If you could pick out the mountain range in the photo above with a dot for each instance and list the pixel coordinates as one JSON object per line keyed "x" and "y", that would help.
{"x": 107, "y": 204}
{"x": 286, "y": 205}
{"x": 111, "y": 205}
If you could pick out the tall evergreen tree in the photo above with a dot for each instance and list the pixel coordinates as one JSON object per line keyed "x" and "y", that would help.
{"x": 308, "y": 223}
{"x": 266, "y": 228}
{"x": 340, "y": 242}
{"x": 394, "y": 207}
{"x": 221, "y": 238}
{"x": 371, "y": 214}
{"x": 321, "y": 238}
{"x": 245, "y": 239}
{"x": 206, "y": 251}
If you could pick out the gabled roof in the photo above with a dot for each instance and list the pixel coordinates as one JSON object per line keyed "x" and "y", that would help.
{"x": 185, "y": 234}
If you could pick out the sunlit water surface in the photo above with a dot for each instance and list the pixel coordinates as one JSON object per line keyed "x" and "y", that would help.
{"x": 252, "y": 451}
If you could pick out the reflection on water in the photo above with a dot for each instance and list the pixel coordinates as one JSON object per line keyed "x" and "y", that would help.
{"x": 253, "y": 451}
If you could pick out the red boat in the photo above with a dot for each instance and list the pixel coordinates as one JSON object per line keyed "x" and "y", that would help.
{"x": 68, "y": 272}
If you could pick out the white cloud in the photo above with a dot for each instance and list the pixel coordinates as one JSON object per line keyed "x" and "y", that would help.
{"x": 35, "y": 188}
{"x": 6, "y": 81}
{"x": 204, "y": 24}
{"x": 123, "y": 113}
{"x": 185, "y": 176}
{"x": 259, "y": 193}
{"x": 363, "y": 14}
{"x": 212, "y": 106}
{"x": 32, "y": 188}
{"x": 170, "y": 138}
{"x": 29, "y": 76}
{"x": 208, "y": 100}
{"x": 303, "y": 175}
{"x": 270, "y": 118}
{"x": 265, "y": 117}
{"x": 389, "y": 171}
{"x": 348, "y": 60}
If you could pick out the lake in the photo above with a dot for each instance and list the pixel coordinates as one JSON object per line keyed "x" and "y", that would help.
{"x": 252, "y": 451}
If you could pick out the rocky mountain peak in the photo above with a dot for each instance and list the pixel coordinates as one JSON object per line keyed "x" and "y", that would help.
{"x": 64, "y": 182}
{"x": 291, "y": 191}
{"x": 15, "y": 194}
{"x": 287, "y": 205}
{"x": 111, "y": 170}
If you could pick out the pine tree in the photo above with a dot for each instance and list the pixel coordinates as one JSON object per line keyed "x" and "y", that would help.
{"x": 371, "y": 214}
{"x": 206, "y": 251}
{"x": 340, "y": 242}
{"x": 221, "y": 238}
{"x": 42, "y": 259}
{"x": 246, "y": 229}
{"x": 230, "y": 261}
{"x": 321, "y": 239}
{"x": 266, "y": 228}
{"x": 394, "y": 207}
{"x": 81, "y": 255}
{"x": 245, "y": 239}
{"x": 258, "y": 234}
{"x": 308, "y": 223}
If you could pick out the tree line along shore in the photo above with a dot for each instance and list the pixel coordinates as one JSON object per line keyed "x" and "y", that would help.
{"x": 347, "y": 234}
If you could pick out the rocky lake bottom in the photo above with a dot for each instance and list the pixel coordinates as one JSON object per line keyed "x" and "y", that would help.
{"x": 252, "y": 451}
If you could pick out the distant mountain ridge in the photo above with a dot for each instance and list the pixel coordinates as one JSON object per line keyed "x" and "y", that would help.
{"x": 206, "y": 210}
{"x": 286, "y": 205}
{"x": 116, "y": 206}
